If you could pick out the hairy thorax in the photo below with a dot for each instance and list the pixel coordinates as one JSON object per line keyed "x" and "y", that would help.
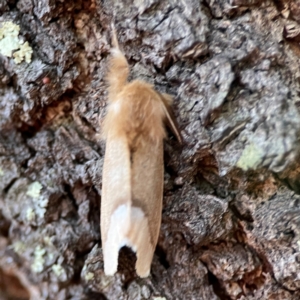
{"x": 137, "y": 114}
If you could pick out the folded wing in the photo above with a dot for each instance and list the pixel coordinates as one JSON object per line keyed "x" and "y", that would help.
{"x": 116, "y": 200}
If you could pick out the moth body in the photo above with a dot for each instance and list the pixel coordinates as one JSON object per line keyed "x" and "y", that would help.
{"x": 132, "y": 188}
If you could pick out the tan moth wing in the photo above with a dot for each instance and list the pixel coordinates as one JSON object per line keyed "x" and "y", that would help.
{"x": 116, "y": 199}
{"x": 131, "y": 209}
{"x": 116, "y": 181}
{"x": 147, "y": 193}
{"x": 133, "y": 170}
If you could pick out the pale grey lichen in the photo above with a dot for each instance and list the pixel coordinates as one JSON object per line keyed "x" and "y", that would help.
{"x": 40, "y": 208}
{"x": 1, "y": 172}
{"x": 10, "y": 42}
{"x": 145, "y": 292}
{"x": 50, "y": 256}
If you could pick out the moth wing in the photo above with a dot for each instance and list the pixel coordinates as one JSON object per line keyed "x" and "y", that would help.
{"x": 116, "y": 200}
{"x": 147, "y": 193}
{"x": 170, "y": 119}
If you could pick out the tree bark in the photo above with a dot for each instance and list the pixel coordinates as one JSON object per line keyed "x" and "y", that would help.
{"x": 231, "y": 209}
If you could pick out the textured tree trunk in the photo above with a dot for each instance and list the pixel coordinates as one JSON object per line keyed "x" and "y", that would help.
{"x": 231, "y": 210}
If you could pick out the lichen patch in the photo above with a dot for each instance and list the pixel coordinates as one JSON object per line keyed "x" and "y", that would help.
{"x": 11, "y": 45}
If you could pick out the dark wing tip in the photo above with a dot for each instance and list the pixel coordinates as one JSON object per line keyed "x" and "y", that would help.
{"x": 170, "y": 119}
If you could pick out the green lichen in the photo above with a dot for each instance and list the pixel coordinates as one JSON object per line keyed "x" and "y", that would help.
{"x": 10, "y": 42}
{"x": 25, "y": 51}
{"x": 1, "y": 172}
{"x": 58, "y": 270}
{"x": 48, "y": 241}
{"x": 30, "y": 214}
{"x": 251, "y": 157}
{"x": 34, "y": 189}
{"x": 39, "y": 261}
{"x": 9, "y": 28}
{"x": 19, "y": 247}
{"x": 159, "y": 298}
{"x": 89, "y": 276}
{"x": 39, "y": 202}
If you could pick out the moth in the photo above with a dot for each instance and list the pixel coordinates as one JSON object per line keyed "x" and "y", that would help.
{"x": 133, "y": 170}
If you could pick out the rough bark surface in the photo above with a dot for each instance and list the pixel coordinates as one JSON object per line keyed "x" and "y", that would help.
{"x": 231, "y": 216}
